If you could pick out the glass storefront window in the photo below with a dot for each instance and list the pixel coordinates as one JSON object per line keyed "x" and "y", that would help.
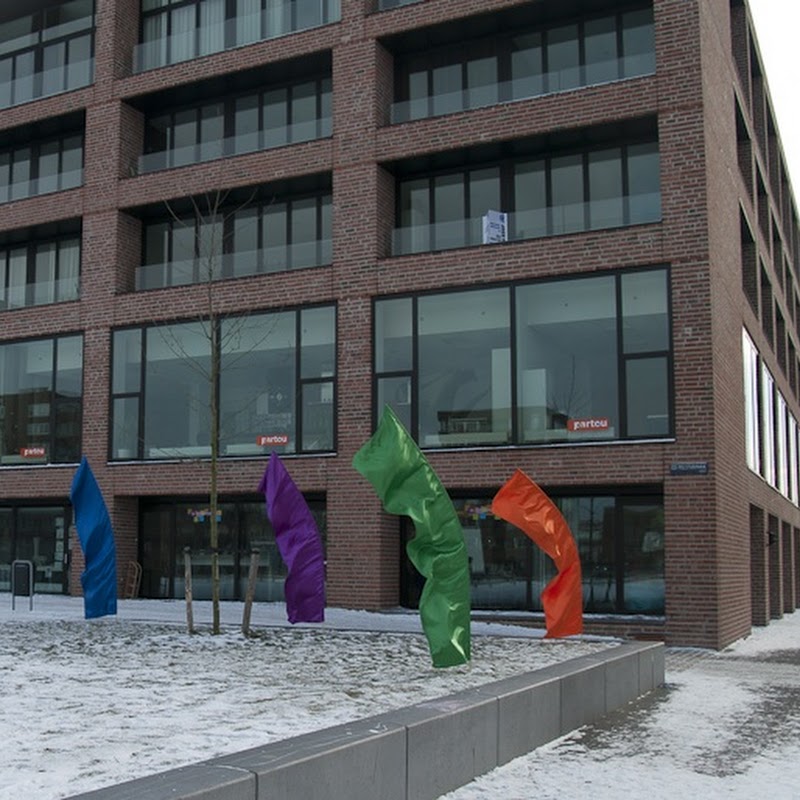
{"x": 169, "y": 526}
{"x": 38, "y": 534}
{"x": 620, "y": 541}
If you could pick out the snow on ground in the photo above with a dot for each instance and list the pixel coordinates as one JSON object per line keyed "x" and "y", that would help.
{"x": 88, "y": 704}
{"x": 91, "y": 703}
{"x": 726, "y": 725}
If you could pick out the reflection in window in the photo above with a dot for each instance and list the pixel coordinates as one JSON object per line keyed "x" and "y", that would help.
{"x": 620, "y": 541}
{"x": 40, "y": 401}
{"x": 275, "y": 392}
{"x": 443, "y": 361}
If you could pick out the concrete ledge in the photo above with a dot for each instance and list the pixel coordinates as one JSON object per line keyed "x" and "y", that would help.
{"x": 423, "y": 751}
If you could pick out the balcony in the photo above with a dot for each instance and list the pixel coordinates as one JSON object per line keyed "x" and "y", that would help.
{"x": 532, "y": 224}
{"x": 280, "y": 19}
{"x": 46, "y": 83}
{"x": 280, "y": 258}
{"x": 39, "y": 293}
{"x": 20, "y": 190}
{"x": 236, "y": 145}
{"x": 524, "y": 88}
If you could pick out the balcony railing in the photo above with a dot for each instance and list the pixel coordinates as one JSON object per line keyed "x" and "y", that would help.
{"x": 236, "y": 145}
{"x": 280, "y": 19}
{"x": 523, "y": 88}
{"x": 46, "y": 83}
{"x": 21, "y": 190}
{"x": 234, "y": 265}
{"x": 39, "y": 294}
{"x": 533, "y": 224}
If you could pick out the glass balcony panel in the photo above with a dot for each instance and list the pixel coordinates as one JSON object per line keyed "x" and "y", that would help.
{"x": 40, "y": 293}
{"x": 523, "y": 88}
{"x": 240, "y": 264}
{"x": 249, "y": 142}
{"x": 280, "y": 17}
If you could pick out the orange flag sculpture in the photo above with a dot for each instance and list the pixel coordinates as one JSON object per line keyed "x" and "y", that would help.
{"x": 522, "y": 503}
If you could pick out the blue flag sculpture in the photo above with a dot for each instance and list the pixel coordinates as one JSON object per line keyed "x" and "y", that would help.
{"x": 99, "y": 579}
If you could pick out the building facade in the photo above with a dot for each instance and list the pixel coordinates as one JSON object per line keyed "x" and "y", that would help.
{"x": 321, "y": 207}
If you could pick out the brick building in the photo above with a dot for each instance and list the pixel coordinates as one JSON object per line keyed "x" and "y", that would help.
{"x": 552, "y": 235}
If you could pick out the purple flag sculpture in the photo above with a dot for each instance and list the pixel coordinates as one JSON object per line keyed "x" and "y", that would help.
{"x": 299, "y": 543}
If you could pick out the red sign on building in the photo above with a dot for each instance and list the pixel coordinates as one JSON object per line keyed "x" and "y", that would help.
{"x": 32, "y": 452}
{"x": 588, "y": 424}
{"x": 266, "y": 440}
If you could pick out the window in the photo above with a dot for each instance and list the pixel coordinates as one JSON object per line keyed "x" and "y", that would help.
{"x": 46, "y": 52}
{"x": 587, "y": 359}
{"x": 40, "y": 272}
{"x": 768, "y": 466}
{"x": 275, "y": 117}
{"x": 41, "y": 167}
{"x": 168, "y": 526}
{"x": 547, "y": 195}
{"x": 39, "y": 534}
{"x": 523, "y": 64}
{"x": 277, "y": 386}
{"x": 40, "y": 401}
{"x": 620, "y": 540}
{"x": 179, "y": 30}
{"x": 250, "y": 239}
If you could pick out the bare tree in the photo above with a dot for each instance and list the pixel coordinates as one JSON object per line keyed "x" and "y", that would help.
{"x": 208, "y": 223}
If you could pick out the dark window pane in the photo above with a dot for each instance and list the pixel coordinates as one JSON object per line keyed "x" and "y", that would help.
{"x": 600, "y": 46}
{"x": 464, "y": 368}
{"x": 647, "y": 396}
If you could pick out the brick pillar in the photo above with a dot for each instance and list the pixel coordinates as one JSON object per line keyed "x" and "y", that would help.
{"x": 359, "y": 532}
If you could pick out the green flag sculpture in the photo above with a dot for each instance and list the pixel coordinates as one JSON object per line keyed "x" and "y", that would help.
{"x": 406, "y": 484}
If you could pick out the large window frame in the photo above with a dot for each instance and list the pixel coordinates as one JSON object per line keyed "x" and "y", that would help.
{"x": 41, "y": 394}
{"x": 478, "y": 388}
{"x": 47, "y": 52}
{"x": 277, "y": 386}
